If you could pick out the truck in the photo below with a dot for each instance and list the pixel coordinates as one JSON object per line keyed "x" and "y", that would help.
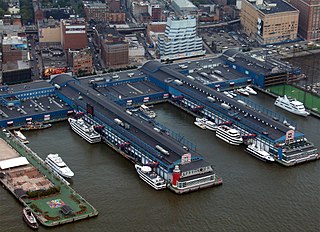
{"x": 118, "y": 121}
{"x": 211, "y": 99}
{"x": 178, "y": 82}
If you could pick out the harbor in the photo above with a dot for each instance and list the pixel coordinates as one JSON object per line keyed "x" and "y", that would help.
{"x": 253, "y": 190}
{"x": 36, "y": 186}
{"x": 117, "y": 113}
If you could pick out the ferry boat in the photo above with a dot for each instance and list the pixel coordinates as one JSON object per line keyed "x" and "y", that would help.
{"x": 211, "y": 125}
{"x": 291, "y": 105}
{"x": 35, "y": 126}
{"x": 146, "y": 110}
{"x": 86, "y": 131}
{"x": 259, "y": 153}
{"x": 150, "y": 177}
{"x": 229, "y": 135}
{"x": 21, "y": 136}
{"x": 250, "y": 90}
{"x": 29, "y": 218}
{"x": 55, "y": 162}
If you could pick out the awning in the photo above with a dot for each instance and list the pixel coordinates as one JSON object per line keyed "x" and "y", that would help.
{"x": 15, "y": 162}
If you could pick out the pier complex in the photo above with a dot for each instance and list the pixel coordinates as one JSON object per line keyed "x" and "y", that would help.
{"x": 195, "y": 86}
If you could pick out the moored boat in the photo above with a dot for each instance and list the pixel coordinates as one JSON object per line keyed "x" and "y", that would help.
{"x": 250, "y": 90}
{"x": 35, "y": 126}
{"x": 200, "y": 124}
{"x": 146, "y": 110}
{"x": 87, "y": 132}
{"x": 29, "y": 218}
{"x": 150, "y": 177}
{"x": 211, "y": 125}
{"x": 21, "y": 137}
{"x": 243, "y": 92}
{"x": 55, "y": 162}
{"x": 229, "y": 135}
{"x": 291, "y": 105}
{"x": 259, "y": 153}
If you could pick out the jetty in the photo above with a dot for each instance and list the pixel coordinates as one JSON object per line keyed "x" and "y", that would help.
{"x": 25, "y": 175}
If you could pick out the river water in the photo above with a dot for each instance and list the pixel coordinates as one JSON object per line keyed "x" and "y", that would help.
{"x": 255, "y": 196}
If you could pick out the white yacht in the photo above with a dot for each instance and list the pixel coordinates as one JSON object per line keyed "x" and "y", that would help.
{"x": 55, "y": 162}
{"x": 146, "y": 110}
{"x": 259, "y": 153}
{"x": 250, "y": 90}
{"x": 291, "y": 105}
{"x": 84, "y": 130}
{"x": 20, "y": 136}
{"x": 201, "y": 122}
{"x": 243, "y": 92}
{"x": 211, "y": 125}
{"x": 150, "y": 177}
{"x": 229, "y": 135}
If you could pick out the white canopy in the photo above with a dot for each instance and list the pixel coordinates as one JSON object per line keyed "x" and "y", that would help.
{"x": 15, "y": 162}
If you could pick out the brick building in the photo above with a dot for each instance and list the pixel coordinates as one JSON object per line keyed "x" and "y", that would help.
{"x": 309, "y": 18}
{"x": 96, "y": 11}
{"x": 114, "y": 50}
{"x": 269, "y": 22}
{"x": 82, "y": 62}
{"x": 73, "y": 34}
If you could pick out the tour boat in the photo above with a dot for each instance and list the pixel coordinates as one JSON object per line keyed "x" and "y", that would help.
{"x": 211, "y": 125}
{"x": 55, "y": 162}
{"x": 86, "y": 131}
{"x": 21, "y": 136}
{"x": 150, "y": 177}
{"x": 29, "y": 218}
{"x": 229, "y": 135}
{"x": 259, "y": 153}
{"x": 291, "y": 105}
{"x": 146, "y": 110}
{"x": 200, "y": 123}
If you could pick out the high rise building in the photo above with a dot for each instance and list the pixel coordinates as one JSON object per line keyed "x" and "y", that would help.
{"x": 180, "y": 39}
{"x": 309, "y": 18}
{"x": 269, "y": 21}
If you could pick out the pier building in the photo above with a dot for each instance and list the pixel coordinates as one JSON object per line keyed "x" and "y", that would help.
{"x": 109, "y": 101}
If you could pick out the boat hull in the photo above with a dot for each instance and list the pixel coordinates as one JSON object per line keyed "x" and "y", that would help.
{"x": 147, "y": 180}
{"x": 33, "y": 225}
{"x": 301, "y": 113}
{"x": 200, "y": 125}
{"x": 256, "y": 155}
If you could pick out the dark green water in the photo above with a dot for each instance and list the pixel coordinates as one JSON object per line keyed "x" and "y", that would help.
{"x": 255, "y": 196}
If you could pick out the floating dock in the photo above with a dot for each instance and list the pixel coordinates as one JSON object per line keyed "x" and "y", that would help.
{"x": 48, "y": 195}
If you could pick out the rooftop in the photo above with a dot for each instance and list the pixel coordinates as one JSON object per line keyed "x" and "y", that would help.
{"x": 272, "y": 6}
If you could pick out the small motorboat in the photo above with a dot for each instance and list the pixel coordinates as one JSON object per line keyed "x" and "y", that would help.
{"x": 29, "y": 218}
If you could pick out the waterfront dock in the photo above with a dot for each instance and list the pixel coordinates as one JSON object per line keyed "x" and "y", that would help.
{"x": 52, "y": 201}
